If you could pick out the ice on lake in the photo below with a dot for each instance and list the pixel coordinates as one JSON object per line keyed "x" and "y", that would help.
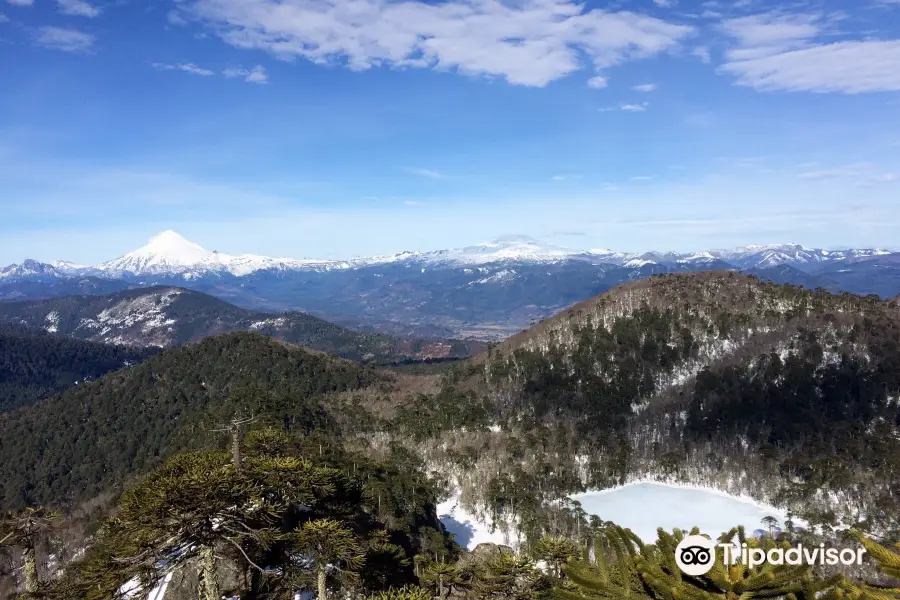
{"x": 642, "y": 507}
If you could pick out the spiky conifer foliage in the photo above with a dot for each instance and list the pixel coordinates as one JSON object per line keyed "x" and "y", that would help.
{"x": 25, "y": 530}
{"x": 407, "y": 592}
{"x": 642, "y": 571}
{"x": 286, "y": 520}
{"x": 888, "y": 562}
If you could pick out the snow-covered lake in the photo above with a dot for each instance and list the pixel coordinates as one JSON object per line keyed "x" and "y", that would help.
{"x": 642, "y": 507}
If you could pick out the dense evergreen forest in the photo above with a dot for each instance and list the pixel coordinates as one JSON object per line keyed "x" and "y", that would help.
{"x": 35, "y": 364}
{"x": 82, "y": 442}
{"x": 787, "y": 395}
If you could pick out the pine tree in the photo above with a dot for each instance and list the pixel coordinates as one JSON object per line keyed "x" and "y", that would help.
{"x": 200, "y": 505}
{"x": 555, "y": 551}
{"x": 330, "y": 543}
{"x": 659, "y": 578}
{"x": 889, "y": 563}
{"x": 26, "y": 530}
{"x": 407, "y": 592}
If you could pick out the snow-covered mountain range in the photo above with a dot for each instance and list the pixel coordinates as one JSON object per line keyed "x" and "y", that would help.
{"x": 489, "y": 290}
{"x": 171, "y": 254}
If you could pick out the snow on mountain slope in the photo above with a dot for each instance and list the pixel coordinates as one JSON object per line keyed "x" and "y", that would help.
{"x": 509, "y": 248}
{"x": 170, "y": 253}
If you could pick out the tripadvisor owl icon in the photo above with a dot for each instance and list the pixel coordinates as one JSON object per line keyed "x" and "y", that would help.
{"x": 695, "y": 555}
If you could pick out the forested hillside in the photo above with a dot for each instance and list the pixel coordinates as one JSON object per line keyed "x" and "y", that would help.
{"x": 35, "y": 364}
{"x": 777, "y": 392}
{"x": 165, "y": 317}
{"x": 95, "y": 436}
{"x": 717, "y": 379}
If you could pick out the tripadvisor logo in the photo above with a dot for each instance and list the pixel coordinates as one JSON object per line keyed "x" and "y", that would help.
{"x": 696, "y": 554}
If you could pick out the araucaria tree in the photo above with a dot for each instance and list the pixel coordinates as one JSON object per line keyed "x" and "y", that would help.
{"x": 330, "y": 544}
{"x": 200, "y": 505}
{"x": 626, "y": 567}
{"x": 25, "y": 530}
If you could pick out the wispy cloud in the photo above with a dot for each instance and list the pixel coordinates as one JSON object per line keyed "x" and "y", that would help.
{"x": 702, "y": 52}
{"x": 851, "y": 170}
{"x": 643, "y": 177}
{"x": 529, "y": 43}
{"x": 597, "y": 82}
{"x": 645, "y": 87}
{"x": 3, "y": 18}
{"x": 429, "y": 173}
{"x": 641, "y": 107}
{"x": 186, "y": 67}
{"x": 776, "y": 51}
{"x": 78, "y": 8}
{"x": 21, "y": 2}
{"x": 665, "y": 3}
{"x": 566, "y": 177}
{"x": 410, "y": 202}
{"x": 61, "y": 38}
{"x": 257, "y": 74}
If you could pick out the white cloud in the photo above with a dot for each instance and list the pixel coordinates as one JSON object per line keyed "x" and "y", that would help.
{"x": 847, "y": 67}
{"x": 532, "y": 42}
{"x": 410, "y": 203}
{"x": 78, "y": 8}
{"x": 634, "y": 107}
{"x": 852, "y": 170}
{"x": 61, "y": 38}
{"x": 566, "y": 177}
{"x": 887, "y": 178}
{"x": 257, "y": 74}
{"x": 186, "y": 67}
{"x": 597, "y": 82}
{"x": 21, "y": 2}
{"x": 429, "y": 173}
{"x": 665, "y": 3}
{"x": 770, "y": 34}
{"x": 781, "y": 52}
{"x": 711, "y": 14}
{"x": 643, "y": 177}
{"x": 645, "y": 87}
{"x": 175, "y": 18}
{"x": 702, "y": 52}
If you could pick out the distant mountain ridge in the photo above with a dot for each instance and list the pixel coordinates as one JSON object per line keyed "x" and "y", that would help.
{"x": 486, "y": 291}
{"x": 164, "y": 317}
{"x": 168, "y": 253}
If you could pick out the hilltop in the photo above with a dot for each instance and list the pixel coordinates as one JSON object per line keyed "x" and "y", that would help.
{"x": 165, "y": 317}
{"x": 95, "y": 436}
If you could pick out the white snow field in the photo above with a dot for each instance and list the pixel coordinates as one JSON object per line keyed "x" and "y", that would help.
{"x": 644, "y": 506}
{"x": 467, "y": 528}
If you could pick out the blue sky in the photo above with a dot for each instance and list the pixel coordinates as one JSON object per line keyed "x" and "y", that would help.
{"x": 333, "y": 128}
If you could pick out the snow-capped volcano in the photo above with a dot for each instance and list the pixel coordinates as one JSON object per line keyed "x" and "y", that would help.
{"x": 167, "y": 252}
{"x": 170, "y": 253}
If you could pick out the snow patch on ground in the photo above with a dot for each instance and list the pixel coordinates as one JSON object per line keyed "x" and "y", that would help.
{"x": 52, "y": 320}
{"x": 501, "y": 276}
{"x": 276, "y": 322}
{"x": 147, "y": 311}
{"x": 468, "y": 528}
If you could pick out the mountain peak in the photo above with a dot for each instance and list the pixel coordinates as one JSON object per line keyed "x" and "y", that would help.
{"x": 172, "y": 244}
{"x": 166, "y": 251}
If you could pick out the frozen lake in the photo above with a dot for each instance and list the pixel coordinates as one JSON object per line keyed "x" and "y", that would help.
{"x": 642, "y": 507}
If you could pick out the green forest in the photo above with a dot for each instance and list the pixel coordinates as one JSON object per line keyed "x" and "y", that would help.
{"x": 264, "y": 468}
